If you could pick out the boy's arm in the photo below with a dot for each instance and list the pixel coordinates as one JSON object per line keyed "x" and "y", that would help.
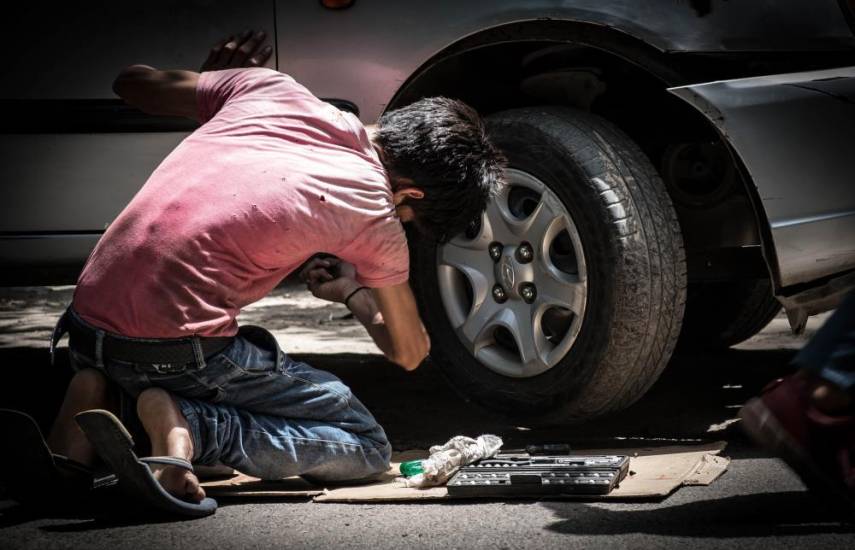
{"x": 389, "y": 314}
{"x": 169, "y": 93}
{"x": 173, "y": 92}
{"x": 392, "y": 319}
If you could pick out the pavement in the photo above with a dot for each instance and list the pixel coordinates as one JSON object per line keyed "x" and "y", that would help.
{"x": 758, "y": 503}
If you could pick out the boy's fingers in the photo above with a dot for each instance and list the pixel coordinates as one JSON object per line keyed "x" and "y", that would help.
{"x": 227, "y": 51}
{"x": 312, "y": 265}
{"x": 319, "y": 275}
{"x": 214, "y": 54}
{"x": 261, "y": 57}
{"x": 251, "y": 42}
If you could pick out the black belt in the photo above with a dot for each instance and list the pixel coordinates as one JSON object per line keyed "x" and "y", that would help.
{"x": 171, "y": 351}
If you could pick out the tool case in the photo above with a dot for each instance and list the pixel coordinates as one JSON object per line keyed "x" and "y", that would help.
{"x": 527, "y": 474}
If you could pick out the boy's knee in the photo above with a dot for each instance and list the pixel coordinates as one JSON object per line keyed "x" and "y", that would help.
{"x": 385, "y": 455}
{"x": 356, "y": 469}
{"x": 379, "y": 463}
{"x": 379, "y": 442}
{"x": 378, "y": 456}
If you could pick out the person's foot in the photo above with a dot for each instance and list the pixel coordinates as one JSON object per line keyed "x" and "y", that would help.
{"x": 179, "y": 482}
{"x": 170, "y": 436}
{"x": 791, "y": 418}
{"x": 88, "y": 389}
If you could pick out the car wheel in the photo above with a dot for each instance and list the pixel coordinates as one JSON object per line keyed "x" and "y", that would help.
{"x": 723, "y": 314}
{"x": 564, "y": 300}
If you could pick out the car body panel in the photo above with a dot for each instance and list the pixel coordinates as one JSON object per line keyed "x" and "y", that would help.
{"x": 794, "y": 133}
{"x": 67, "y": 176}
{"x": 118, "y": 165}
{"x": 68, "y": 181}
{"x": 23, "y": 255}
{"x": 369, "y": 50}
{"x": 97, "y": 40}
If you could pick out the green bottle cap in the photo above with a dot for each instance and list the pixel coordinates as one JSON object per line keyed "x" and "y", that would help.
{"x": 411, "y": 468}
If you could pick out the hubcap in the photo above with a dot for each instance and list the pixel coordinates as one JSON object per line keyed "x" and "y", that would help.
{"x": 515, "y": 290}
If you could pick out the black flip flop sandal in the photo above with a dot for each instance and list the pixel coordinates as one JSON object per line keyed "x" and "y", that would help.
{"x": 114, "y": 445}
{"x": 35, "y": 476}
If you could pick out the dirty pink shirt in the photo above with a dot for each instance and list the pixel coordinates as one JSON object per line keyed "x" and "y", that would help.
{"x": 273, "y": 176}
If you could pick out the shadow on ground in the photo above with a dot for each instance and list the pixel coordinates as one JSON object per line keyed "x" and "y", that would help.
{"x": 776, "y": 514}
{"x": 697, "y": 398}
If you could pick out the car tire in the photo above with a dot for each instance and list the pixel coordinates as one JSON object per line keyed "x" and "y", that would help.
{"x": 723, "y": 314}
{"x": 634, "y": 272}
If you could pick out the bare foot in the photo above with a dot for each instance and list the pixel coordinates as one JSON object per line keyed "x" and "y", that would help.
{"x": 179, "y": 482}
{"x": 170, "y": 436}
{"x": 88, "y": 389}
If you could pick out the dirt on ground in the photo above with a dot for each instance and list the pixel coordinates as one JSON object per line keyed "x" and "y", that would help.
{"x": 300, "y": 322}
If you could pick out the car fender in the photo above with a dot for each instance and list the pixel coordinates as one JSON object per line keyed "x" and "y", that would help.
{"x": 368, "y": 51}
{"x": 794, "y": 135}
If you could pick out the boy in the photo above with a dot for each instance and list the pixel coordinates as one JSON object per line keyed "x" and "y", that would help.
{"x": 272, "y": 177}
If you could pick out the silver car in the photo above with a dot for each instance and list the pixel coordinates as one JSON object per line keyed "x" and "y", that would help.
{"x": 680, "y": 169}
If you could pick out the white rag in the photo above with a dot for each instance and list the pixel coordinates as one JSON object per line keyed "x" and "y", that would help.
{"x": 446, "y": 459}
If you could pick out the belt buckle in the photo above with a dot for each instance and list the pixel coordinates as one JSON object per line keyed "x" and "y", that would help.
{"x": 169, "y": 368}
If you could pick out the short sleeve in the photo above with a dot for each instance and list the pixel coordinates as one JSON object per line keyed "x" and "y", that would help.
{"x": 380, "y": 254}
{"x": 215, "y": 89}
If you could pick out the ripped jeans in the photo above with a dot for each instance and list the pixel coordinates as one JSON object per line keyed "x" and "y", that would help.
{"x": 253, "y": 408}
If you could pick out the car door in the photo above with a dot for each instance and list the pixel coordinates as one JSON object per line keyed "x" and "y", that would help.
{"x": 72, "y": 153}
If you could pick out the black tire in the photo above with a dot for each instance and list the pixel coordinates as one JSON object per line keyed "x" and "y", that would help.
{"x": 635, "y": 261}
{"x": 723, "y": 314}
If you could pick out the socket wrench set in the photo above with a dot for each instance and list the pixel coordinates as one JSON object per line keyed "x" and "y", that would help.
{"x": 525, "y": 474}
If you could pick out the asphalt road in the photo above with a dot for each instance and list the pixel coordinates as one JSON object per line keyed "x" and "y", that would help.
{"x": 757, "y": 503}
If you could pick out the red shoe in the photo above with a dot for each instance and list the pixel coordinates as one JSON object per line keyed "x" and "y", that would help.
{"x": 819, "y": 447}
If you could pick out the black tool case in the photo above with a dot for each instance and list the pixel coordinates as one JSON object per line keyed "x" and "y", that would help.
{"x": 524, "y": 474}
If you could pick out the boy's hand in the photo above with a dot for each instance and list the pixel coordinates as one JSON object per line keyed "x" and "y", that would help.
{"x": 330, "y": 279}
{"x": 234, "y": 52}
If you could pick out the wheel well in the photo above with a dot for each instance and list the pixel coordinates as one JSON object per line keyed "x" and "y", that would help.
{"x": 625, "y": 81}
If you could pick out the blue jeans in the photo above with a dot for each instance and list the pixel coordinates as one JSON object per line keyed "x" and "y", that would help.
{"x": 253, "y": 408}
{"x": 830, "y": 354}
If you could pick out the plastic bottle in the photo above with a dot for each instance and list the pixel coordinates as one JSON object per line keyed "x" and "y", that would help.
{"x": 411, "y": 468}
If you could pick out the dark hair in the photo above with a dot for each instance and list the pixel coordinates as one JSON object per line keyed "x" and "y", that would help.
{"x": 442, "y": 145}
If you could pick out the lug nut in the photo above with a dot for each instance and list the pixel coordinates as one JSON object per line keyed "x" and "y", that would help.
{"x": 499, "y": 294}
{"x": 496, "y": 251}
{"x": 525, "y": 253}
{"x": 528, "y": 292}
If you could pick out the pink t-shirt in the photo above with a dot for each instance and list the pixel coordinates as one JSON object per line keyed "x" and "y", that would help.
{"x": 273, "y": 176}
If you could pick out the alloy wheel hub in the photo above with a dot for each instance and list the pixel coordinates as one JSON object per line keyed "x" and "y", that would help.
{"x": 515, "y": 289}
{"x": 512, "y": 274}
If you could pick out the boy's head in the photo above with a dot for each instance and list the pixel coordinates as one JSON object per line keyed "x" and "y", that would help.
{"x": 441, "y": 163}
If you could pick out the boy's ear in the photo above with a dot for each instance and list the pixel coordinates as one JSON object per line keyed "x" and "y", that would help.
{"x": 407, "y": 192}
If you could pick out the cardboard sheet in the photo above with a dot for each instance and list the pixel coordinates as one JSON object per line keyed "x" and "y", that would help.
{"x": 240, "y": 485}
{"x": 655, "y": 473}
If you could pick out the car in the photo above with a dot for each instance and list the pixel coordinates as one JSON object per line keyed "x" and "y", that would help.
{"x": 678, "y": 171}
